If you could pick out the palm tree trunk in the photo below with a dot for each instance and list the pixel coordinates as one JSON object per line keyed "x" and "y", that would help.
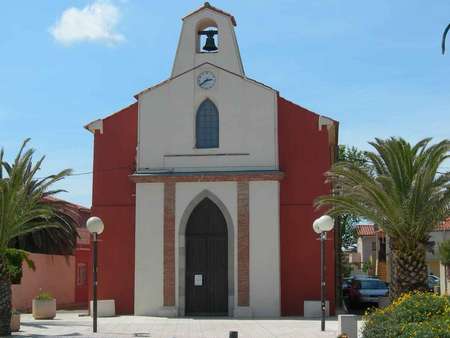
{"x": 409, "y": 271}
{"x": 5, "y": 300}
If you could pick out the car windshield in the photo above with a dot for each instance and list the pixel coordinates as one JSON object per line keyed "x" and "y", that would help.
{"x": 373, "y": 284}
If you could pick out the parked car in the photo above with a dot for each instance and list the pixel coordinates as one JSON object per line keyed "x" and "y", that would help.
{"x": 433, "y": 281}
{"x": 346, "y": 282}
{"x": 365, "y": 290}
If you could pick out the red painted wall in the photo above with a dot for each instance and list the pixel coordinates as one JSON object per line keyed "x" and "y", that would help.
{"x": 304, "y": 157}
{"x": 113, "y": 200}
{"x": 82, "y": 256}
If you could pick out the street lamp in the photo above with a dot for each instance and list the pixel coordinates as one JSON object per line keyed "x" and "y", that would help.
{"x": 95, "y": 226}
{"x": 321, "y": 225}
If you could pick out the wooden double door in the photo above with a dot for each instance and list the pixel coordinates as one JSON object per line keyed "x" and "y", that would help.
{"x": 206, "y": 282}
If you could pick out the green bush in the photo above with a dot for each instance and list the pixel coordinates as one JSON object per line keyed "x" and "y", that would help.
{"x": 44, "y": 296}
{"x": 444, "y": 252}
{"x": 14, "y": 260}
{"x": 421, "y": 315}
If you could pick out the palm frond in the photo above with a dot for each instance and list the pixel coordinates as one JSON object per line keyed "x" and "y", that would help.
{"x": 444, "y": 37}
{"x": 27, "y": 219}
{"x": 400, "y": 189}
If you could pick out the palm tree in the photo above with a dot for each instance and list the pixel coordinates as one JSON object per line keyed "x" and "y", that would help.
{"x": 444, "y": 36}
{"x": 403, "y": 193}
{"x": 25, "y": 211}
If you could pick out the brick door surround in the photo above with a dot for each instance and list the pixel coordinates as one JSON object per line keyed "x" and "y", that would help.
{"x": 243, "y": 243}
{"x": 241, "y": 230}
{"x": 169, "y": 244}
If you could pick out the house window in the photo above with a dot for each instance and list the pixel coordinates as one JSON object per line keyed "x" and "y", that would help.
{"x": 207, "y": 125}
{"x": 374, "y": 246}
{"x": 81, "y": 274}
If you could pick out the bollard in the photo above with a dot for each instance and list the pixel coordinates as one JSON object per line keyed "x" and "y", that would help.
{"x": 348, "y": 324}
{"x": 233, "y": 334}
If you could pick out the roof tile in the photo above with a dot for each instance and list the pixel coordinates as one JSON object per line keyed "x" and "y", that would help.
{"x": 365, "y": 230}
{"x": 444, "y": 226}
{"x": 215, "y": 9}
{"x": 370, "y": 229}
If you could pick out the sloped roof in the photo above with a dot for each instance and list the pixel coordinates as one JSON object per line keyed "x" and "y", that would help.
{"x": 78, "y": 213}
{"x": 370, "y": 229}
{"x": 444, "y": 226}
{"x": 365, "y": 230}
{"x": 91, "y": 125}
{"x": 207, "y": 5}
{"x": 198, "y": 66}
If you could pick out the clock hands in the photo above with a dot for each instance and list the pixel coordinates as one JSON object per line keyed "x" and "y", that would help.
{"x": 204, "y": 81}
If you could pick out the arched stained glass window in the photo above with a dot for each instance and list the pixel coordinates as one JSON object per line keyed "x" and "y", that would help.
{"x": 207, "y": 125}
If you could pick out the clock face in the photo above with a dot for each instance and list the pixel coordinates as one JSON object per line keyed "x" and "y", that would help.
{"x": 206, "y": 80}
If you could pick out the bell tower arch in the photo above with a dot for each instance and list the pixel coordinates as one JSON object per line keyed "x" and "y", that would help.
{"x": 207, "y": 35}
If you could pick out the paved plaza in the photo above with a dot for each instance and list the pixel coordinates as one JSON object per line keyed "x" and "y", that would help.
{"x": 71, "y": 324}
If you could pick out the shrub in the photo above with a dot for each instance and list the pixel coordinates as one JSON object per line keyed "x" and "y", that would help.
{"x": 368, "y": 267}
{"x": 44, "y": 296}
{"x": 444, "y": 252}
{"x": 14, "y": 260}
{"x": 416, "y": 314}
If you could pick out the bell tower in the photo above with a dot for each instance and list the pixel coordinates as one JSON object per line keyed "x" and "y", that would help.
{"x": 207, "y": 35}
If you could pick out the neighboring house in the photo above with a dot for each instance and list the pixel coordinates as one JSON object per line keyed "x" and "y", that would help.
{"x": 206, "y": 186}
{"x": 371, "y": 241}
{"x": 440, "y": 234}
{"x": 367, "y": 243}
{"x": 367, "y": 256}
{"x": 65, "y": 277}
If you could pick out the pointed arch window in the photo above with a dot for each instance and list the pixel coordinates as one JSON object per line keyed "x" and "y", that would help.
{"x": 207, "y": 125}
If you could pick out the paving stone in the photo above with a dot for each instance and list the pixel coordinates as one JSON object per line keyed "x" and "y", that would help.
{"x": 70, "y": 324}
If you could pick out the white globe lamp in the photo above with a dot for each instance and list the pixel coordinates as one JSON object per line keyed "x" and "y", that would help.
{"x": 323, "y": 223}
{"x": 321, "y": 226}
{"x": 95, "y": 225}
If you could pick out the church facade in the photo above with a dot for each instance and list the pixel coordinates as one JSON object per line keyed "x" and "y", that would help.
{"x": 206, "y": 187}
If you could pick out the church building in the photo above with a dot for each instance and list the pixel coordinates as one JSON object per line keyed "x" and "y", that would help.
{"x": 206, "y": 186}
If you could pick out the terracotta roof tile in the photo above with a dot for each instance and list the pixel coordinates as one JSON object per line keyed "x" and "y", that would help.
{"x": 370, "y": 230}
{"x": 78, "y": 213}
{"x": 365, "y": 230}
{"x": 444, "y": 226}
{"x": 215, "y": 9}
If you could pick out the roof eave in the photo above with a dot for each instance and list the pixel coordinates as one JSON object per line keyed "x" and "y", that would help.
{"x": 215, "y": 9}
{"x": 95, "y": 125}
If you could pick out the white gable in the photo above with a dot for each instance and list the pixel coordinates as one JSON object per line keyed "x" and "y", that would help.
{"x": 247, "y": 124}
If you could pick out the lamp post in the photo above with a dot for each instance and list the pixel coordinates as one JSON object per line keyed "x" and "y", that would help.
{"x": 95, "y": 226}
{"x": 321, "y": 225}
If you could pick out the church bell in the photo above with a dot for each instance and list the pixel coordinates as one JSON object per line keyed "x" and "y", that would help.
{"x": 210, "y": 44}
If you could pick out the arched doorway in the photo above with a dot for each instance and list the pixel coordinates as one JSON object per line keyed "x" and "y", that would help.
{"x": 206, "y": 275}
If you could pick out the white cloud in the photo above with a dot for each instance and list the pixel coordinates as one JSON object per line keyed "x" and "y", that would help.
{"x": 95, "y": 22}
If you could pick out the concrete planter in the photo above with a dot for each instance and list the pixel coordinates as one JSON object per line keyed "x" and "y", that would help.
{"x": 105, "y": 308}
{"x": 313, "y": 308}
{"x": 348, "y": 326}
{"x": 15, "y": 322}
{"x": 44, "y": 308}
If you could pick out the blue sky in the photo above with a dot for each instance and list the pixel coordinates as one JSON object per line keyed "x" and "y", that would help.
{"x": 374, "y": 66}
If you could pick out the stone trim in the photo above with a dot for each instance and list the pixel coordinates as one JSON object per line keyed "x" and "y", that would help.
{"x": 169, "y": 244}
{"x": 243, "y": 243}
{"x": 208, "y": 177}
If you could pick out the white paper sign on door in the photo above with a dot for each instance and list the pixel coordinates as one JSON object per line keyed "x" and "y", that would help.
{"x": 198, "y": 280}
